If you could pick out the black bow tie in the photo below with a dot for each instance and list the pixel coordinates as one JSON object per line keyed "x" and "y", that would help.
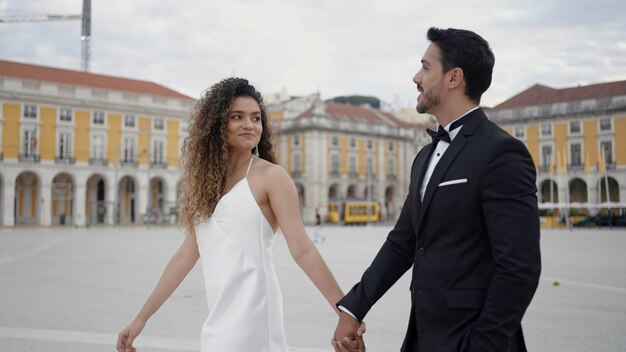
{"x": 441, "y": 134}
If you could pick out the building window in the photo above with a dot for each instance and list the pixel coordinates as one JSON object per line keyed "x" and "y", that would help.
{"x": 334, "y": 164}
{"x": 65, "y": 115}
{"x": 158, "y": 124}
{"x": 129, "y": 120}
{"x": 519, "y": 132}
{"x": 352, "y": 142}
{"x": 546, "y": 156}
{"x": 65, "y": 145}
{"x": 334, "y": 141}
{"x": 607, "y": 147}
{"x": 391, "y": 167}
{"x": 391, "y": 146}
{"x": 296, "y": 163}
{"x": 576, "y": 154}
{"x": 157, "y": 152}
{"x": 129, "y": 150}
{"x": 369, "y": 166}
{"x": 370, "y": 144}
{"x": 546, "y": 130}
{"x": 575, "y": 127}
{"x": 605, "y": 125}
{"x": 29, "y": 143}
{"x": 30, "y": 111}
{"x": 98, "y": 118}
{"x": 296, "y": 140}
{"x": 352, "y": 164}
{"x": 97, "y": 147}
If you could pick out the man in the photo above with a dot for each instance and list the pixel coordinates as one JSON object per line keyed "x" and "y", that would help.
{"x": 470, "y": 224}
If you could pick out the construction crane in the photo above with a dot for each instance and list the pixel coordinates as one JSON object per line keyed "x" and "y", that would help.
{"x": 85, "y": 37}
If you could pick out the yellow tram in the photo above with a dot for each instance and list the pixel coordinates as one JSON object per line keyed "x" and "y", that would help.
{"x": 353, "y": 212}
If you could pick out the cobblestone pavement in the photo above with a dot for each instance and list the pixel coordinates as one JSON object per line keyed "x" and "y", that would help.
{"x": 74, "y": 289}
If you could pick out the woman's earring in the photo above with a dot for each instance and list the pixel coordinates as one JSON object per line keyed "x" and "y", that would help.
{"x": 256, "y": 151}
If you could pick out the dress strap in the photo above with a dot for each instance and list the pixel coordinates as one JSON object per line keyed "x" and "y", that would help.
{"x": 250, "y": 164}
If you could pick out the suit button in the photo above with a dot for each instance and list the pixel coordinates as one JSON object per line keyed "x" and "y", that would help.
{"x": 421, "y": 251}
{"x": 419, "y": 292}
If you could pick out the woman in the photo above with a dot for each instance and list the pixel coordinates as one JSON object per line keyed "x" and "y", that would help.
{"x": 234, "y": 198}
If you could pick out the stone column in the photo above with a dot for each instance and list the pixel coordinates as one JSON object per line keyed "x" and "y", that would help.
{"x": 8, "y": 203}
{"x": 44, "y": 205}
{"x": 111, "y": 199}
{"x": 141, "y": 196}
{"x": 80, "y": 202}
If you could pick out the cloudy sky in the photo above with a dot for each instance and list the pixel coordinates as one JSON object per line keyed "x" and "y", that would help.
{"x": 339, "y": 47}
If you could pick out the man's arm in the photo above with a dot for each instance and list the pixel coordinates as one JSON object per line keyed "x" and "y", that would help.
{"x": 509, "y": 204}
{"x": 392, "y": 261}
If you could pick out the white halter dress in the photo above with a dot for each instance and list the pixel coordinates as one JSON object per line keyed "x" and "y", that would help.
{"x": 244, "y": 298}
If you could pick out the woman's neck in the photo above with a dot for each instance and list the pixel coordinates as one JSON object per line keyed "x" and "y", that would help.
{"x": 237, "y": 162}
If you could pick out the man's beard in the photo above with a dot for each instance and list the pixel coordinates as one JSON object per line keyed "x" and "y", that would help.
{"x": 430, "y": 99}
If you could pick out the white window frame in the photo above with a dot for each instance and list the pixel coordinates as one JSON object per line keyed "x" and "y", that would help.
{"x": 523, "y": 130}
{"x": 542, "y": 161}
{"x": 369, "y": 165}
{"x": 157, "y": 152}
{"x": 24, "y": 110}
{"x": 334, "y": 141}
{"x": 154, "y": 124}
{"x": 600, "y": 130}
{"x": 104, "y": 119}
{"x": 391, "y": 166}
{"x": 124, "y": 118}
{"x": 370, "y": 144}
{"x": 60, "y": 110}
{"x": 133, "y": 151}
{"x": 93, "y": 150}
{"x": 352, "y": 143}
{"x": 570, "y": 155}
{"x": 69, "y": 145}
{"x": 605, "y": 140}
{"x": 334, "y": 166}
{"x": 35, "y": 133}
{"x": 352, "y": 164}
{"x": 391, "y": 146}
{"x": 541, "y": 134}
{"x": 569, "y": 128}
{"x": 296, "y": 140}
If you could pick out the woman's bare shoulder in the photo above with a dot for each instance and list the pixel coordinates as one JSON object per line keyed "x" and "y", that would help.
{"x": 269, "y": 171}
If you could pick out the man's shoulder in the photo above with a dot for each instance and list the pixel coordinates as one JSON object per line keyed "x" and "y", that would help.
{"x": 495, "y": 135}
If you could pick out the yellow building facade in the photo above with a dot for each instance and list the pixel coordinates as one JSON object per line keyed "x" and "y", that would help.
{"x": 577, "y": 138}
{"x": 78, "y": 148}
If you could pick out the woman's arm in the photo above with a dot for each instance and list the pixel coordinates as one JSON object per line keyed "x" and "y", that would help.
{"x": 283, "y": 199}
{"x": 176, "y": 270}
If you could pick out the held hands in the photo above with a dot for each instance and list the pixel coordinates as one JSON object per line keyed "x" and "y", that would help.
{"x": 127, "y": 336}
{"x": 348, "y": 335}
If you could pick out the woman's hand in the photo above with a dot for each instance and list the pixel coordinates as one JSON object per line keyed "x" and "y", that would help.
{"x": 127, "y": 336}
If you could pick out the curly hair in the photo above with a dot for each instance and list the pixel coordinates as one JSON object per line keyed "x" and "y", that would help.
{"x": 204, "y": 157}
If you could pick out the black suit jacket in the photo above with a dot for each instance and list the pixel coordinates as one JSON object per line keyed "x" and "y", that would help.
{"x": 473, "y": 245}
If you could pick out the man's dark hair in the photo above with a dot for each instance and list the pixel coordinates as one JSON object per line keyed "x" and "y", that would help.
{"x": 468, "y": 51}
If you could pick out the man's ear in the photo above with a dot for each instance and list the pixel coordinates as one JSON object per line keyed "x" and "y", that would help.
{"x": 456, "y": 77}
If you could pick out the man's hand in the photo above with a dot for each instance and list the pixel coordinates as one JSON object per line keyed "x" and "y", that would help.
{"x": 348, "y": 336}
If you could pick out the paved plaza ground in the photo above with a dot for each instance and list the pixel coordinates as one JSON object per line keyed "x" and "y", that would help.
{"x": 74, "y": 289}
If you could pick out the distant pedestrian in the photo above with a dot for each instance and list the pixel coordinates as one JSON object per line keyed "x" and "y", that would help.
{"x": 317, "y": 236}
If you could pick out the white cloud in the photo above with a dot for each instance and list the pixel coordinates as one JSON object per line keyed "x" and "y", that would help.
{"x": 340, "y": 47}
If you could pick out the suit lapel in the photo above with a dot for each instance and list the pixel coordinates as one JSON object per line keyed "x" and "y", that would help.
{"x": 420, "y": 167}
{"x": 440, "y": 170}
